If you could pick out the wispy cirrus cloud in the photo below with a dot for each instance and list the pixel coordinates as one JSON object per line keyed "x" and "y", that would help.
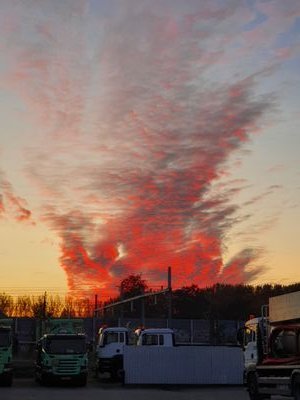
{"x": 134, "y": 129}
{"x": 11, "y": 205}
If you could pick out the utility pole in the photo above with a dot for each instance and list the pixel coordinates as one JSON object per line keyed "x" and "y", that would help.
{"x": 170, "y": 297}
{"x": 121, "y": 312}
{"x": 42, "y": 315}
{"x": 95, "y": 320}
{"x": 96, "y": 303}
{"x": 45, "y": 306}
{"x": 143, "y": 320}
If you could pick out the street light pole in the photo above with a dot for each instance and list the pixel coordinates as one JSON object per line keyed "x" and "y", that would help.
{"x": 169, "y": 297}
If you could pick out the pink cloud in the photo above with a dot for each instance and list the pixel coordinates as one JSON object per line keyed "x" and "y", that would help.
{"x": 12, "y": 205}
{"x": 133, "y": 135}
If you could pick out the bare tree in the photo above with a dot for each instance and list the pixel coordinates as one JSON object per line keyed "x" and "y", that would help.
{"x": 6, "y": 304}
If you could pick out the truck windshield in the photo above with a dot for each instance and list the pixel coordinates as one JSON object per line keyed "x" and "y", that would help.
{"x": 4, "y": 339}
{"x": 113, "y": 337}
{"x": 65, "y": 345}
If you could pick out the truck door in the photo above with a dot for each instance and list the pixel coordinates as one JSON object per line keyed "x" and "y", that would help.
{"x": 250, "y": 346}
{"x": 113, "y": 343}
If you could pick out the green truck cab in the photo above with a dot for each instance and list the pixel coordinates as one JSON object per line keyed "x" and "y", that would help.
{"x": 62, "y": 355}
{"x": 6, "y": 369}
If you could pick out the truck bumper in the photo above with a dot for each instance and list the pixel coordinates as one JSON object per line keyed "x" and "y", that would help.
{"x": 46, "y": 377}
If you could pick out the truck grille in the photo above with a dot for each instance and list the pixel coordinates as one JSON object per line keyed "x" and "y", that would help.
{"x": 67, "y": 367}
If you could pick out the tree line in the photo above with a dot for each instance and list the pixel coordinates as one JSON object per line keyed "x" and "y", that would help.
{"x": 45, "y": 306}
{"x": 220, "y": 301}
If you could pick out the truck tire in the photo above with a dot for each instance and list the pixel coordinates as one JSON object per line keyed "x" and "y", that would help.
{"x": 8, "y": 380}
{"x": 82, "y": 381}
{"x": 117, "y": 375}
{"x": 296, "y": 391}
{"x": 114, "y": 375}
{"x": 44, "y": 381}
{"x": 253, "y": 387}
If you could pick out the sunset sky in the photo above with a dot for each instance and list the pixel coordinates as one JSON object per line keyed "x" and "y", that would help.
{"x": 141, "y": 134}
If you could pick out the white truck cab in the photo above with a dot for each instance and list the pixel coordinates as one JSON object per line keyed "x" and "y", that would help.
{"x": 110, "y": 349}
{"x": 112, "y": 340}
{"x": 156, "y": 337}
{"x": 250, "y": 342}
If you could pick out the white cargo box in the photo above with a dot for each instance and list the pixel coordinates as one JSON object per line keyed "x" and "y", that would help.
{"x": 184, "y": 365}
{"x": 285, "y": 307}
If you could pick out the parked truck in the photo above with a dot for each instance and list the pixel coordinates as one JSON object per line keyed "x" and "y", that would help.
{"x": 6, "y": 369}
{"x": 110, "y": 350}
{"x": 112, "y": 340}
{"x": 272, "y": 349}
{"x": 62, "y": 353}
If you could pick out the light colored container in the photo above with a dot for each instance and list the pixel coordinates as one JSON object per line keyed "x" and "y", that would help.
{"x": 186, "y": 365}
{"x": 285, "y": 307}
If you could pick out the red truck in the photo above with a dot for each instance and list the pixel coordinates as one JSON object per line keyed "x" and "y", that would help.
{"x": 272, "y": 350}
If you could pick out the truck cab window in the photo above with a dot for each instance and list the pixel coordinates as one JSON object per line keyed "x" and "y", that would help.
{"x": 285, "y": 344}
{"x": 153, "y": 340}
{"x": 110, "y": 337}
{"x": 150, "y": 340}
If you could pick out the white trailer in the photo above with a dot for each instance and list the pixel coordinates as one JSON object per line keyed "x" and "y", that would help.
{"x": 183, "y": 365}
{"x": 155, "y": 359}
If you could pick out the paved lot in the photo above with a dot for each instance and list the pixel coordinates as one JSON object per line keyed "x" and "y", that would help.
{"x": 28, "y": 390}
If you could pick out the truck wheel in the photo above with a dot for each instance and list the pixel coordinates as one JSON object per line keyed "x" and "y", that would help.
{"x": 8, "y": 380}
{"x": 120, "y": 374}
{"x": 117, "y": 374}
{"x": 114, "y": 375}
{"x": 44, "y": 381}
{"x": 82, "y": 381}
{"x": 296, "y": 391}
{"x": 253, "y": 387}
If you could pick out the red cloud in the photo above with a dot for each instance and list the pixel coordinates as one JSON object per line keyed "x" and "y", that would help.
{"x": 2, "y": 208}
{"x": 136, "y": 129}
{"x": 163, "y": 215}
